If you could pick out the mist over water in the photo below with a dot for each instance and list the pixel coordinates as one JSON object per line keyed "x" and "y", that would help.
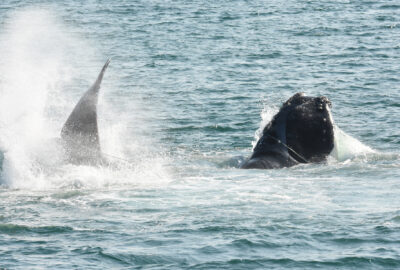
{"x": 186, "y": 96}
{"x": 39, "y": 89}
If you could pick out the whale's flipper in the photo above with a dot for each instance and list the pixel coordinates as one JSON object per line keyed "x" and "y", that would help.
{"x": 80, "y": 134}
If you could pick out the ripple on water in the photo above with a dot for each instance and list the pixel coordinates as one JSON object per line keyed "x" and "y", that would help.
{"x": 188, "y": 82}
{"x": 11, "y": 229}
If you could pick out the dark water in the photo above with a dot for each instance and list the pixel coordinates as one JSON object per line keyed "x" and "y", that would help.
{"x": 180, "y": 102}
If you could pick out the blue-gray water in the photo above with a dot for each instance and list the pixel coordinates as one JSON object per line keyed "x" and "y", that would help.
{"x": 184, "y": 95}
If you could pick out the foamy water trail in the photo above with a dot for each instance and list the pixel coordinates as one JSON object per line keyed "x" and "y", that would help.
{"x": 41, "y": 64}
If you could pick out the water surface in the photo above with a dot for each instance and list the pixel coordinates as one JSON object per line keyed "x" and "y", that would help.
{"x": 189, "y": 85}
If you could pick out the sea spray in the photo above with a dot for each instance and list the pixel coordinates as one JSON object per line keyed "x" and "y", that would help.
{"x": 347, "y": 147}
{"x": 31, "y": 69}
{"x": 266, "y": 116}
{"x": 44, "y": 71}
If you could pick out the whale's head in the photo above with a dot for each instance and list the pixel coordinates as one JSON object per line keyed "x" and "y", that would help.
{"x": 302, "y": 131}
{"x": 309, "y": 127}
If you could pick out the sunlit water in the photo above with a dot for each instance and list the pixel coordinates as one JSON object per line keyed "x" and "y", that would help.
{"x": 189, "y": 88}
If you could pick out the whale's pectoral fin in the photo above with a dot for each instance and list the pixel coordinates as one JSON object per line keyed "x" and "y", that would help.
{"x": 80, "y": 133}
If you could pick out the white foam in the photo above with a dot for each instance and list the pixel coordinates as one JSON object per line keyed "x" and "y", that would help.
{"x": 347, "y": 147}
{"x": 42, "y": 64}
{"x": 266, "y": 116}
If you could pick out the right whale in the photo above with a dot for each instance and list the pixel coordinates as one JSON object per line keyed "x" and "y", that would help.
{"x": 301, "y": 132}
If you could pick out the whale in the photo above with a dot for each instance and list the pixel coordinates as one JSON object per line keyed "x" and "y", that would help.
{"x": 301, "y": 132}
{"x": 80, "y": 134}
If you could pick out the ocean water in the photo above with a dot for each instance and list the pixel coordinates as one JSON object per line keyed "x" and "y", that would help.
{"x": 189, "y": 87}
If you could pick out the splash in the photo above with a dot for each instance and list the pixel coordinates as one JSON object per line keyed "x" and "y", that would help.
{"x": 30, "y": 69}
{"x": 42, "y": 62}
{"x": 347, "y": 147}
{"x": 266, "y": 116}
